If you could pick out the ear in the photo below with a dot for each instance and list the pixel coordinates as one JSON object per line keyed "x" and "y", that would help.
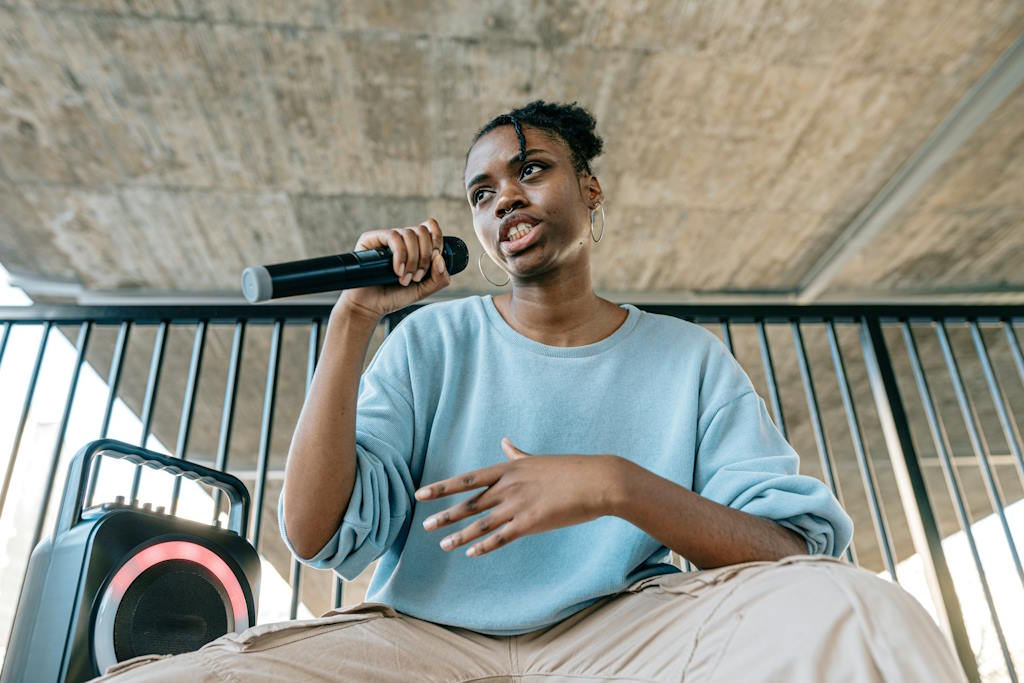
{"x": 511, "y": 452}
{"x": 594, "y": 193}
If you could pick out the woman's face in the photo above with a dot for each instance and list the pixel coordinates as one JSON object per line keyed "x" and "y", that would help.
{"x": 540, "y": 192}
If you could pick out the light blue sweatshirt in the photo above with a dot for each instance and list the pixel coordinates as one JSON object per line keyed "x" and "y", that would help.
{"x": 454, "y": 378}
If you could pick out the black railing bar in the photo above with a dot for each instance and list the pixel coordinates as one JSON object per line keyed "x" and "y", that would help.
{"x": 978, "y": 443}
{"x": 920, "y": 516}
{"x": 704, "y": 313}
{"x": 820, "y": 438}
{"x": 1003, "y": 410}
{"x": 337, "y": 592}
{"x": 867, "y": 468}
{"x": 19, "y": 432}
{"x": 156, "y": 365}
{"x": 80, "y": 347}
{"x": 339, "y": 588}
{"x": 227, "y": 416}
{"x": 3, "y": 340}
{"x": 941, "y": 439}
{"x": 152, "y": 315}
{"x": 769, "y": 374}
{"x": 1018, "y": 356}
{"x": 295, "y": 576}
{"x": 266, "y": 430}
{"x": 113, "y": 381}
{"x": 727, "y": 336}
{"x": 188, "y": 406}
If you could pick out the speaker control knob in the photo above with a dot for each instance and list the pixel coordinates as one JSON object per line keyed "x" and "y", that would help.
{"x": 160, "y": 509}
{"x": 119, "y": 500}
{"x": 147, "y": 506}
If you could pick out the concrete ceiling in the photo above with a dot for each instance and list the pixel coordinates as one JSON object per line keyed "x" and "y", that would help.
{"x": 165, "y": 145}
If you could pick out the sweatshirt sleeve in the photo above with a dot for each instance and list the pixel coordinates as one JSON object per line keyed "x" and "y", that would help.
{"x": 382, "y": 493}
{"x": 743, "y": 462}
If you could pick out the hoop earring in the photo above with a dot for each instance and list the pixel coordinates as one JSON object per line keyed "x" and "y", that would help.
{"x": 480, "y": 265}
{"x": 596, "y": 238}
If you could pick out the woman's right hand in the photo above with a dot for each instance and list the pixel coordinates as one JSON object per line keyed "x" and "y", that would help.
{"x": 416, "y": 259}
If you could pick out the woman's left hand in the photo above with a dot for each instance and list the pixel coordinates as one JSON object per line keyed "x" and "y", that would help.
{"x": 527, "y": 495}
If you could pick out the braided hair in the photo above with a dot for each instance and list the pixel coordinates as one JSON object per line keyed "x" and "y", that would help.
{"x": 572, "y": 124}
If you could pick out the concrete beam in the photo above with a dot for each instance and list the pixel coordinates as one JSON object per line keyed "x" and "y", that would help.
{"x": 973, "y": 109}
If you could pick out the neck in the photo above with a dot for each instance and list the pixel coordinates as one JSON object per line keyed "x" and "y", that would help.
{"x": 562, "y": 310}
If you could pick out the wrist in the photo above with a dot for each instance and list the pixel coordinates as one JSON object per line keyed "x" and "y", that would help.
{"x": 615, "y": 495}
{"x": 349, "y": 312}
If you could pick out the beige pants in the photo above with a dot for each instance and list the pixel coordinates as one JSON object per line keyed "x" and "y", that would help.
{"x": 799, "y": 619}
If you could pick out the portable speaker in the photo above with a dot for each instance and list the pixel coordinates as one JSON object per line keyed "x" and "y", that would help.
{"x": 117, "y": 581}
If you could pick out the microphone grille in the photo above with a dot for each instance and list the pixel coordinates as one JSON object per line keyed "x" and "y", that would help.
{"x": 456, "y": 255}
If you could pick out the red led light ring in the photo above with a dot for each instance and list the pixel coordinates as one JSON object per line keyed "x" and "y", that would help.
{"x": 103, "y": 631}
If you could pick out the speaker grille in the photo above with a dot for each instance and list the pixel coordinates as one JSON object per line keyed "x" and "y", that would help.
{"x": 172, "y": 607}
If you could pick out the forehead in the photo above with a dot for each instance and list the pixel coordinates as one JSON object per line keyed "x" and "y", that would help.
{"x": 495, "y": 149}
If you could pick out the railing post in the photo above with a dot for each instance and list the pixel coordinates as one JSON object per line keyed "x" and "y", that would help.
{"x": 924, "y": 530}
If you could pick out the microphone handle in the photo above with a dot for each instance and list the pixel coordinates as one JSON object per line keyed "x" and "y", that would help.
{"x": 341, "y": 271}
{"x": 330, "y": 273}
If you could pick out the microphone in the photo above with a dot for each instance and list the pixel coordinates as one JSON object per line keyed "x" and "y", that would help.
{"x": 342, "y": 271}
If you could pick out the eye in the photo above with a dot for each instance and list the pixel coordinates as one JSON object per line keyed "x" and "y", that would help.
{"x": 477, "y": 196}
{"x": 533, "y": 164}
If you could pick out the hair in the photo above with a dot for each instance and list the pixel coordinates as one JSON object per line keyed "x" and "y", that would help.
{"x": 573, "y": 124}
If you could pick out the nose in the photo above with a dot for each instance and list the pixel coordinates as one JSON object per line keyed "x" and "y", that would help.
{"x": 509, "y": 200}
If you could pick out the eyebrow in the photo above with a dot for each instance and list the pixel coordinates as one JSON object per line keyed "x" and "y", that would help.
{"x": 511, "y": 162}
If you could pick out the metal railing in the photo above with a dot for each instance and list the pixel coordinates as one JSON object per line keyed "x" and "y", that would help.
{"x": 890, "y": 378}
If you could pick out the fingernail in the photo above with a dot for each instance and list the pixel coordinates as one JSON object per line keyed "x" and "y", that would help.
{"x": 419, "y": 275}
{"x": 471, "y": 552}
{"x": 401, "y": 269}
{"x": 446, "y": 544}
{"x": 406, "y": 279}
{"x": 429, "y": 523}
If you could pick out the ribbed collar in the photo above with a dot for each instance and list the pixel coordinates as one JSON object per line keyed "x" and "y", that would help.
{"x": 527, "y": 344}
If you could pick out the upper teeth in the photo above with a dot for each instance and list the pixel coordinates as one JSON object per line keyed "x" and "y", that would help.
{"x": 519, "y": 230}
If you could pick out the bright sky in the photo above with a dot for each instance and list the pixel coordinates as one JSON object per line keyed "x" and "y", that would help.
{"x": 30, "y": 473}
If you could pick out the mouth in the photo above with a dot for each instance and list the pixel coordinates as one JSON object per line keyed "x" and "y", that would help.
{"x": 510, "y": 225}
{"x": 519, "y": 237}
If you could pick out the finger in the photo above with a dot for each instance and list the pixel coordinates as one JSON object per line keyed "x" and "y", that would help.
{"x": 499, "y": 538}
{"x": 436, "y": 236}
{"x": 463, "y": 482}
{"x": 412, "y": 253}
{"x": 495, "y": 520}
{"x": 369, "y": 240}
{"x": 511, "y": 452}
{"x": 466, "y": 508}
{"x": 439, "y": 277}
{"x": 426, "y": 248}
{"x": 398, "y": 252}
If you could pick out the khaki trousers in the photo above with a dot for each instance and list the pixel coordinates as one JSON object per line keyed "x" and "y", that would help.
{"x": 802, "y": 618}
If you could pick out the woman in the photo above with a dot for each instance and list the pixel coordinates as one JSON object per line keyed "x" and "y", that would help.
{"x": 582, "y": 441}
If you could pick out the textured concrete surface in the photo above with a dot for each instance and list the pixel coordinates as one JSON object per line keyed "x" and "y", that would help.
{"x": 168, "y": 144}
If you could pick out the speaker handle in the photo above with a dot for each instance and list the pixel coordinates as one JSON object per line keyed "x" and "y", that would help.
{"x": 80, "y": 466}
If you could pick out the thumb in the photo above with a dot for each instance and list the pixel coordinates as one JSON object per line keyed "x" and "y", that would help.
{"x": 511, "y": 452}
